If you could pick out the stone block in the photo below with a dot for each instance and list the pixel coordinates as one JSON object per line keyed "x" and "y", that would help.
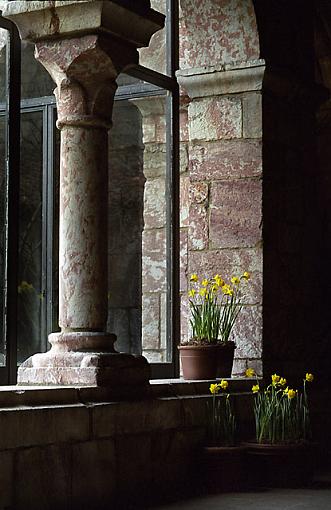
{"x": 184, "y": 201}
{"x": 43, "y": 425}
{"x": 155, "y": 159}
{"x": 154, "y": 261}
{"x": 247, "y": 333}
{"x": 155, "y": 356}
{"x": 163, "y": 322}
{"x": 183, "y": 158}
{"x": 93, "y": 474}
{"x": 215, "y": 118}
{"x": 136, "y": 417}
{"x": 134, "y": 467}
{"x": 252, "y": 115}
{"x": 195, "y": 411}
{"x": 154, "y": 129}
{"x": 199, "y": 192}
{"x": 199, "y": 228}
{"x": 235, "y": 214}
{"x": 184, "y": 316}
{"x": 183, "y": 125}
{"x": 6, "y": 479}
{"x": 43, "y": 478}
{"x": 227, "y": 33}
{"x": 151, "y": 321}
{"x": 225, "y": 159}
{"x": 232, "y": 262}
{"x": 155, "y": 203}
{"x": 183, "y": 260}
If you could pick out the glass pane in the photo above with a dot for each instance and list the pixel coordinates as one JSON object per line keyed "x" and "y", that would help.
{"x": 30, "y": 292}
{"x": 137, "y": 227}
{"x": 36, "y": 81}
{"x": 3, "y": 52}
{"x": 154, "y": 56}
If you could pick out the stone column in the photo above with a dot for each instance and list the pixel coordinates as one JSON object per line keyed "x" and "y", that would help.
{"x": 84, "y": 67}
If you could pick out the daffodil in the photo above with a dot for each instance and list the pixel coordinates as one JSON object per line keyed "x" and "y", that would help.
{"x": 203, "y": 291}
{"x": 286, "y": 390}
{"x": 224, "y": 384}
{"x": 204, "y": 282}
{"x": 219, "y": 280}
{"x": 255, "y": 388}
{"x": 291, "y": 394}
{"x": 282, "y": 381}
{"x": 226, "y": 289}
{"x": 246, "y": 275}
{"x": 194, "y": 277}
{"x": 192, "y": 293}
{"x": 249, "y": 372}
{"x": 24, "y": 287}
{"x": 214, "y": 389}
{"x": 275, "y": 379}
{"x": 235, "y": 280}
{"x": 309, "y": 377}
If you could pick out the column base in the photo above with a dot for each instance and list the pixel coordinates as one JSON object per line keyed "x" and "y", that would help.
{"x": 82, "y": 366}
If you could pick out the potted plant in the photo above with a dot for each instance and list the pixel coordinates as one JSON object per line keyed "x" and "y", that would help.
{"x": 222, "y": 457}
{"x": 215, "y": 305}
{"x": 280, "y": 454}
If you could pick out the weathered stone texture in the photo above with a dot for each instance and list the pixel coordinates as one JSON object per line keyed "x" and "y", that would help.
{"x": 252, "y": 115}
{"x": 235, "y": 214}
{"x": 6, "y": 479}
{"x": 184, "y": 201}
{"x": 230, "y": 262}
{"x": 151, "y": 321}
{"x": 215, "y": 118}
{"x": 94, "y": 476}
{"x": 247, "y": 333}
{"x": 155, "y": 204}
{"x": 49, "y": 478}
{"x": 199, "y": 229}
{"x": 225, "y": 160}
{"x": 154, "y": 261}
{"x": 227, "y": 32}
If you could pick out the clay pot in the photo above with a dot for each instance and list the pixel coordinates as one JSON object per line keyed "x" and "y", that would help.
{"x": 207, "y": 361}
{"x": 279, "y": 465}
{"x": 223, "y": 468}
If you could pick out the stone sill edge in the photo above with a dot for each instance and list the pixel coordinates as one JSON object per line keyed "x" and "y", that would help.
{"x": 18, "y": 396}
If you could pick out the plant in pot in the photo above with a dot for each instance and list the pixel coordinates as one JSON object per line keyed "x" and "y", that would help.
{"x": 222, "y": 457}
{"x": 214, "y": 306}
{"x": 281, "y": 454}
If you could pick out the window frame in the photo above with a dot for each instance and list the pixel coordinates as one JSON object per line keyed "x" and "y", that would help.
{"x": 155, "y": 84}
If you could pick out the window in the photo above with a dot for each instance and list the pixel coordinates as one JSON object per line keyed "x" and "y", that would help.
{"x": 143, "y": 204}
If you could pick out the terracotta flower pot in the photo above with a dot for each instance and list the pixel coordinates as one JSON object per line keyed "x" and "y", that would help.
{"x": 279, "y": 465}
{"x": 199, "y": 361}
{"x": 207, "y": 361}
{"x": 223, "y": 468}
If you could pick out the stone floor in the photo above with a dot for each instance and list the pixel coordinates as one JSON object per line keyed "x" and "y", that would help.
{"x": 316, "y": 497}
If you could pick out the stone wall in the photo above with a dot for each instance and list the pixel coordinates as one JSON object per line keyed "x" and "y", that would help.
{"x": 221, "y": 79}
{"x": 87, "y": 452}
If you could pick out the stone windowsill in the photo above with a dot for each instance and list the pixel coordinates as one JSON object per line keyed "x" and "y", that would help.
{"x": 21, "y": 396}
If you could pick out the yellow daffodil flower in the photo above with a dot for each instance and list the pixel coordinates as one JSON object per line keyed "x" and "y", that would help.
{"x": 226, "y": 289}
{"x": 214, "y": 388}
{"x": 255, "y": 388}
{"x": 282, "y": 381}
{"x": 219, "y": 280}
{"x": 214, "y": 288}
{"x": 246, "y": 275}
{"x": 203, "y": 292}
{"x": 309, "y": 377}
{"x": 24, "y": 287}
{"x": 235, "y": 280}
{"x": 194, "y": 277}
{"x": 275, "y": 379}
{"x": 249, "y": 372}
{"x": 291, "y": 394}
{"x": 286, "y": 390}
{"x": 204, "y": 282}
{"x": 224, "y": 384}
{"x": 192, "y": 293}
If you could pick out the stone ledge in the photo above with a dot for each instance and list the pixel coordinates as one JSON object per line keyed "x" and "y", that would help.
{"x": 18, "y": 396}
{"x": 220, "y": 80}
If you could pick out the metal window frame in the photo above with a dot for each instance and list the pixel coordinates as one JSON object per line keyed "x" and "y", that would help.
{"x": 8, "y": 373}
{"x": 154, "y": 83}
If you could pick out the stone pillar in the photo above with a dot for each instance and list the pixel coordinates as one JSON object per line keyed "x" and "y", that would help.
{"x": 84, "y": 66}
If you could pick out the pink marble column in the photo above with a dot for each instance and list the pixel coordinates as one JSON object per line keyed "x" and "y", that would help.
{"x": 84, "y": 46}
